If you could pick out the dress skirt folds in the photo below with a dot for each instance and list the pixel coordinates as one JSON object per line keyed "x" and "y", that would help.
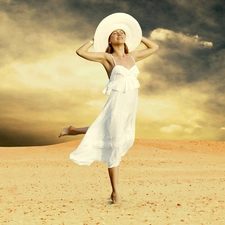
{"x": 113, "y": 132}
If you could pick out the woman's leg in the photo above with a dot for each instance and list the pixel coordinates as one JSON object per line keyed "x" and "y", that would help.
{"x": 114, "y": 178}
{"x": 73, "y": 131}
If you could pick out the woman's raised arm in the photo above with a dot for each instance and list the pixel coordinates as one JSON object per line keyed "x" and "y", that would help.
{"x": 92, "y": 56}
{"x": 142, "y": 54}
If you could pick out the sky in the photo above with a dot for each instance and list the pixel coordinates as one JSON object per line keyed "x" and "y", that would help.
{"x": 45, "y": 86}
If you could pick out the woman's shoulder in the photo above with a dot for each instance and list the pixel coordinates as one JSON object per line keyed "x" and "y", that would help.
{"x": 109, "y": 58}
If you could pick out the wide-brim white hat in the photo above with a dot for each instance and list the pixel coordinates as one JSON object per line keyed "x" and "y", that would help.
{"x": 117, "y": 21}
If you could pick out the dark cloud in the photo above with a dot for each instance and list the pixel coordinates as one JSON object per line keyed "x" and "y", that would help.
{"x": 36, "y": 116}
{"x": 190, "y": 70}
{"x": 72, "y": 17}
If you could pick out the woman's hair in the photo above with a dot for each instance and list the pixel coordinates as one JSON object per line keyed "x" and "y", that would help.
{"x": 110, "y": 49}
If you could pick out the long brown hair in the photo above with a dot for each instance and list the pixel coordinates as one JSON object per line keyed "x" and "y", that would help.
{"x": 110, "y": 49}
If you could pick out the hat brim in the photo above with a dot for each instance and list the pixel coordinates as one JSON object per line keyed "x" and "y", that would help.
{"x": 117, "y": 21}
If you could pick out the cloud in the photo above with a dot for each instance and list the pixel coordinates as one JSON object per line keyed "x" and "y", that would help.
{"x": 177, "y": 62}
{"x": 171, "y": 128}
{"x": 161, "y": 34}
{"x": 36, "y": 115}
{"x": 63, "y": 71}
{"x": 39, "y": 30}
{"x": 179, "y": 89}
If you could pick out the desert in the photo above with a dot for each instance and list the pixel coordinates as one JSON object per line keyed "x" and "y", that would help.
{"x": 163, "y": 182}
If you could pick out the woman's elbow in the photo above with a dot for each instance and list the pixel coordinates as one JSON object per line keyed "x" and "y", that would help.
{"x": 78, "y": 52}
{"x": 156, "y": 47}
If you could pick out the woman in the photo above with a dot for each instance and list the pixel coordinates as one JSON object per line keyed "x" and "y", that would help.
{"x": 112, "y": 133}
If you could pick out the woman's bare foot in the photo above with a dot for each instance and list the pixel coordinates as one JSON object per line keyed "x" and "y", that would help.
{"x": 68, "y": 131}
{"x": 73, "y": 131}
{"x": 115, "y": 197}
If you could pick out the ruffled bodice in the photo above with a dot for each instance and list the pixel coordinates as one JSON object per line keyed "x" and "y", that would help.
{"x": 122, "y": 79}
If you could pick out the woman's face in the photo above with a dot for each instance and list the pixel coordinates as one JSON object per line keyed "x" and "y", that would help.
{"x": 117, "y": 36}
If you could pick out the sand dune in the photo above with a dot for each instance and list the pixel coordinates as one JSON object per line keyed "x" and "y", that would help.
{"x": 162, "y": 183}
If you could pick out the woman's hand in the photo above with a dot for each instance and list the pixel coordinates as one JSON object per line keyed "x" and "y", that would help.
{"x": 149, "y": 44}
{"x": 93, "y": 56}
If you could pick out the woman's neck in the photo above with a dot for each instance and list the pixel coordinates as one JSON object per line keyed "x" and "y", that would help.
{"x": 119, "y": 51}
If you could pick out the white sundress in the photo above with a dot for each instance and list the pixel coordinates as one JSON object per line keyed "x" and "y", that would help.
{"x": 113, "y": 132}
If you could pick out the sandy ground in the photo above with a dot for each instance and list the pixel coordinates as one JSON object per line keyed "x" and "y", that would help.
{"x": 162, "y": 183}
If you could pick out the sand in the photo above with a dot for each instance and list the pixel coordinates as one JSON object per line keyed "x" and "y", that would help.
{"x": 162, "y": 183}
